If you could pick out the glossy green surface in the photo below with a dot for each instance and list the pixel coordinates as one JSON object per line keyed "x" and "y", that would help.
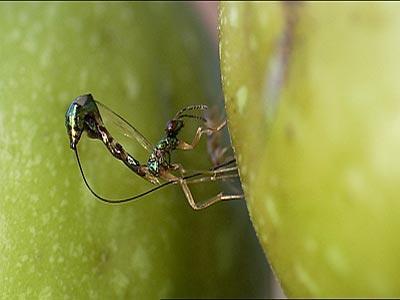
{"x": 145, "y": 61}
{"x": 313, "y": 106}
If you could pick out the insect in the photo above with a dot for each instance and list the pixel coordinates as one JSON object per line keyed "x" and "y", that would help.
{"x": 83, "y": 115}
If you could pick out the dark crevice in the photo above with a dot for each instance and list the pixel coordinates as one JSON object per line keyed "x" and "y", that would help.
{"x": 279, "y": 63}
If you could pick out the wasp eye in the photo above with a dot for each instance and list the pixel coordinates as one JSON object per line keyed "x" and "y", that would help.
{"x": 170, "y": 126}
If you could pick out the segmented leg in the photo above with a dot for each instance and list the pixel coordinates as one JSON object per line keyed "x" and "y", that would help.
{"x": 207, "y": 203}
{"x": 186, "y": 146}
{"x": 209, "y": 176}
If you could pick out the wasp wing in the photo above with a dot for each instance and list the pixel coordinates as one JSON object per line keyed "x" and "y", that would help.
{"x": 127, "y": 129}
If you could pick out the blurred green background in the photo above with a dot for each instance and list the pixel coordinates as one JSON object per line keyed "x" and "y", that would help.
{"x": 145, "y": 61}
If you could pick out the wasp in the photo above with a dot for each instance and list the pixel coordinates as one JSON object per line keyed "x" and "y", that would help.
{"x": 83, "y": 115}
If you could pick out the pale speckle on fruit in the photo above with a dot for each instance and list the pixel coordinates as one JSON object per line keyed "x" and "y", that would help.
{"x": 37, "y": 28}
{"x": 48, "y": 88}
{"x": 72, "y": 251}
{"x": 306, "y": 279}
{"x": 336, "y": 260}
{"x": 252, "y": 176}
{"x": 30, "y": 46}
{"x": 243, "y": 170}
{"x": 241, "y": 98}
{"x": 22, "y": 70}
{"x": 45, "y": 58}
{"x": 51, "y": 259}
{"x": 262, "y": 17}
{"x": 14, "y": 35}
{"x": 34, "y": 198}
{"x": 120, "y": 280}
{"x": 32, "y": 230}
{"x": 355, "y": 182}
{"x": 94, "y": 40}
{"x": 22, "y": 18}
{"x": 12, "y": 82}
{"x": 261, "y": 221}
{"x": 379, "y": 282}
{"x": 140, "y": 260}
{"x": 222, "y": 16}
{"x": 46, "y": 293}
{"x": 67, "y": 182}
{"x": 239, "y": 158}
{"x": 271, "y": 210}
{"x": 52, "y": 192}
{"x": 264, "y": 238}
{"x": 234, "y": 17}
{"x": 132, "y": 85}
{"x": 93, "y": 294}
{"x": 253, "y": 43}
{"x": 310, "y": 245}
{"x": 384, "y": 145}
{"x": 55, "y": 247}
{"x": 273, "y": 180}
{"x": 113, "y": 245}
{"x": 45, "y": 217}
{"x": 165, "y": 289}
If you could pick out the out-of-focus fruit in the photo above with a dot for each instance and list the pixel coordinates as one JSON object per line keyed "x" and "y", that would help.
{"x": 313, "y": 104}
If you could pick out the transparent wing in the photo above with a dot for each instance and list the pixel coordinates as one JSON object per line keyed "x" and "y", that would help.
{"x": 127, "y": 129}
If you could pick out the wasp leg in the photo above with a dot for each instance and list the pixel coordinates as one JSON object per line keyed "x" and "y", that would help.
{"x": 186, "y": 146}
{"x": 209, "y": 176}
{"x": 207, "y": 203}
{"x": 178, "y": 167}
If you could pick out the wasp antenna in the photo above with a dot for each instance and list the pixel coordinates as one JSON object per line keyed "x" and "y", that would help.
{"x": 191, "y": 107}
{"x": 192, "y": 117}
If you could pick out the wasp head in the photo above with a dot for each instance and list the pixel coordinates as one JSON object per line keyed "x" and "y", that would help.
{"x": 173, "y": 127}
{"x": 80, "y": 116}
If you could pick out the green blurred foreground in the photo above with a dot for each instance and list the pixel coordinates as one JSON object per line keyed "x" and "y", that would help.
{"x": 313, "y": 106}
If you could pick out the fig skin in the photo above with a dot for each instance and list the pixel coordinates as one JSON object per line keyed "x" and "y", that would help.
{"x": 312, "y": 97}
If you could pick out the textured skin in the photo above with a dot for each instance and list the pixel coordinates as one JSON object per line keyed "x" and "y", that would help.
{"x": 56, "y": 241}
{"x": 312, "y": 97}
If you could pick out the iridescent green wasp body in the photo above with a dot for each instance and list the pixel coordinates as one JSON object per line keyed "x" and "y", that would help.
{"x": 83, "y": 115}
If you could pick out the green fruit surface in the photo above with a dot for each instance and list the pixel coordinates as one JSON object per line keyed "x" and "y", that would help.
{"x": 145, "y": 61}
{"x": 313, "y": 100}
